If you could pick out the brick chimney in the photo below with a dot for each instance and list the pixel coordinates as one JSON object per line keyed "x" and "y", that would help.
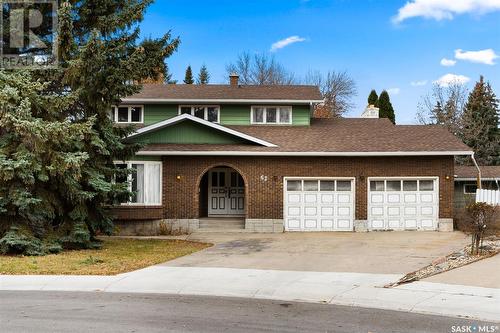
{"x": 234, "y": 79}
{"x": 370, "y": 112}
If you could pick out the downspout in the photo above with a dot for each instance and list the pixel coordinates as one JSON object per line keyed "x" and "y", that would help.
{"x": 478, "y": 171}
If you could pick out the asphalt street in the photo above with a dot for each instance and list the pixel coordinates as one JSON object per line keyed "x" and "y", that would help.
{"x": 112, "y": 312}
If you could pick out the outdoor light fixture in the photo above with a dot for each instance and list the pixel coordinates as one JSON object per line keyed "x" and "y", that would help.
{"x": 447, "y": 177}
{"x": 178, "y": 177}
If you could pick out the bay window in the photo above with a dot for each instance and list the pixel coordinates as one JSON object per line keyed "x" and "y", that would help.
{"x": 144, "y": 181}
{"x": 271, "y": 115}
{"x": 206, "y": 112}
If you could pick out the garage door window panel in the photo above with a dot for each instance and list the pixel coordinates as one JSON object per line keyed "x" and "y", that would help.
{"x": 409, "y": 185}
{"x": 327, "y": 186}
{"x": 378, "y": 186}
{"x": 426, "y": 185}
{"x": 393, "y": 185}
{"x": 343, "y": 186}
{"x": 294, "y": 185}
{"x": 310, "y": 185}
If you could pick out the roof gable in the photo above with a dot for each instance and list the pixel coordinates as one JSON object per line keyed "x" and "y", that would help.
{"x": 187, "y": 129}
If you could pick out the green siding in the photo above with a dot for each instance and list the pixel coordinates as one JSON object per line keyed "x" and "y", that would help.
{"x": 230, "y": 114}
{"x": 301, "y": 115}
{"x": 154, "y": 113}
{"x": 188, "y": 132}
{"x": 235, "y": 114}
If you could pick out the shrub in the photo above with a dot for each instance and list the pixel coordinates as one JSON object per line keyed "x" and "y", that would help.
{"x": 479, "y": 217}
{"x": 79, "y": 238}
{"x": 15, "y": 241}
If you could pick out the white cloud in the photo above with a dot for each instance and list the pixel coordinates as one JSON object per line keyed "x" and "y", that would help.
{"x": 394, "y": 91}
{"x": 418, "y": 83}
{"x": 486, "y": 57}
{"x": 448, "y": 62}
{"x": 444, "y": 9}
{"x": 446, "y": 80}
{"x": 285, "y": 42}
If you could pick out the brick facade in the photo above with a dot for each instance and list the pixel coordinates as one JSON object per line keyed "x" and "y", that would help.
{"x": 138, "y": 213}
{"x": 264, "y": 198}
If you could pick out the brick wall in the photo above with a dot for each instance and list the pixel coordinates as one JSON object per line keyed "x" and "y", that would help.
{"x": 137, "y": 213}
{"x": 264, "y": 199}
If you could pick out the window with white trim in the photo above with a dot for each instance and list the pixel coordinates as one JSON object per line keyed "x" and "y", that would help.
{"x": 127, "y": 114}
{"x": 271, "y": 115}
{"x": 144, "y": 182}
{"x": 210, "y": 113}
{"x": 470, "y": 188}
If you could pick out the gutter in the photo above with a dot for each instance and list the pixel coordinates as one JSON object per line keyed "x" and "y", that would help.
{"x": 126, "y": 101}
{"x": 292, "y": 153}
{"x": 478, "y": 171}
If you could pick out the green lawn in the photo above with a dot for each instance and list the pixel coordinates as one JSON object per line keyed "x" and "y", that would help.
{"x": 116, "y": 256}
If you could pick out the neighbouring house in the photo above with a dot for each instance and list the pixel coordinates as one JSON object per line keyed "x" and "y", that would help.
{"x": 466, "y": 183}
{"x": 254, "y": 156}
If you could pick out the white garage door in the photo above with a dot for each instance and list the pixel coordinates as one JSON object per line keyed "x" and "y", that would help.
{"x": 403, "y": 204}
{"x": 319, "y": 204}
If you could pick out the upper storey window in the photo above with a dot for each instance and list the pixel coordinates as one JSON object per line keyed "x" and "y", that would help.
{"x": 271, "y": 115}
{"x": 207, "y": 112}
{"x": 127, "y": 114}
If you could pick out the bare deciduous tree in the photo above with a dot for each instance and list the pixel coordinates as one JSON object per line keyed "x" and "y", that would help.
{"x": 260, "y": 69}
{"x": 337, "y": 89}
{"x": 443, "y": 106}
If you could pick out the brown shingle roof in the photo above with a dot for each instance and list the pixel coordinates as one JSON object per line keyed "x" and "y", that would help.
{"x": 222, "y": 92}
{"x": 463, "y": 171}
{"x": 338, "y": 135}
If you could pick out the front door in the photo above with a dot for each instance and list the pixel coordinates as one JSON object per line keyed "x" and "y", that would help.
{"x": 226, "y": 192}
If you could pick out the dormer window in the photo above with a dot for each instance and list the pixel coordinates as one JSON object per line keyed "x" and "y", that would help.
{"x": 271, "y": 115}
{"x": 127, "y": 114}
{"x": 206, "y": 112}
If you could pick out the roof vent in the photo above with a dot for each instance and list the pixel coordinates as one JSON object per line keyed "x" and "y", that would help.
{"x": 234, "y": 79}
{"x": 370, "y": 112}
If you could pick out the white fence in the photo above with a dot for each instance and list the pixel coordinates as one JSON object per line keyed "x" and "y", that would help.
{"x": 489, "y": 196}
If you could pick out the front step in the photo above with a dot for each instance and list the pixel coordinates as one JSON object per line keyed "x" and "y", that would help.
{"x": 222, "y": 223}
{"x": 221, "y": 230}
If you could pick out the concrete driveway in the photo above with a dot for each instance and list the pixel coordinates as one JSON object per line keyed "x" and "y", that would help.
{"x": 373, "y": 252}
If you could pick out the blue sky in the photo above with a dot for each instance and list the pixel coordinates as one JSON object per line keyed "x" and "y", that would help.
{"x": 397, "y": 45}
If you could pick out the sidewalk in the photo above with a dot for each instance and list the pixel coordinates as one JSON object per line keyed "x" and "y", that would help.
{"x": 353, "y": 289}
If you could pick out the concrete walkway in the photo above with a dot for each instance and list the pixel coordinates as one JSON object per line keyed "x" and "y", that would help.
{"x": 354, "y": 289}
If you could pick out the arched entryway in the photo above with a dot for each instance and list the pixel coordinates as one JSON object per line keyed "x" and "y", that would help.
{"x": 222, "y": 193}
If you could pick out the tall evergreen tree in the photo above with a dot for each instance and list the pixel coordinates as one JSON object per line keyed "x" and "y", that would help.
{"x": 373, "y": 98}
{"x": 188, "y": 78}
{"x": 385, "y": 106}
{"x": 438, "y": 114}
{"x": 203, "y": 75}
{"x": 57, "y": 143}
{"x": 480, "y": 124}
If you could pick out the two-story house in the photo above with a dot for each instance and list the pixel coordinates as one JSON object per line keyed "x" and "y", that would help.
{"x": 255, "y": 154}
